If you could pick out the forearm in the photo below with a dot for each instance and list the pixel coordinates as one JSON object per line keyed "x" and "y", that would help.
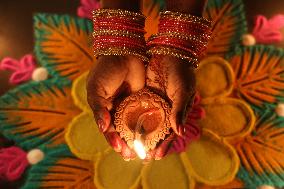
{"x": 194, "y": 7}
{"x": 132, "y": 5}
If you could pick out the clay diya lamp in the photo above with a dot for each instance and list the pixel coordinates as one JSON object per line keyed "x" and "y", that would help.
{"x": 142, "y": 120}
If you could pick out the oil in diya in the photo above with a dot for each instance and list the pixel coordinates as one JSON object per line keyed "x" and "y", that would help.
{"x": 142, "y": 120}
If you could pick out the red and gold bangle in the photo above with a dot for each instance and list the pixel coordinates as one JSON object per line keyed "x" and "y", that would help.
{"x": 185, "y": 17}
{"x": 119, "y": 32}
{"x": 181, "y": 35}
{"x": 170, "y": 51}
{"x": 114, "y": 32}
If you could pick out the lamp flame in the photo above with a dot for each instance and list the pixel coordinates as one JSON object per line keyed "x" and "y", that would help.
{"x": 139, "y": 149}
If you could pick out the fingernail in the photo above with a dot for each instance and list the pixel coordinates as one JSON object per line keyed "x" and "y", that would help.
{"x": 159, "y": 154}
{"x": 117, "y": 147}
{"x": 101, "y": 125}
{"x": 181, "y": 130}
{"x": 126, "y": 159}
{"x": 114, "y": 142}
{"x": 126, "y": 152}
{"x": 158, "y": 158}
{"x": 149, "y": 156}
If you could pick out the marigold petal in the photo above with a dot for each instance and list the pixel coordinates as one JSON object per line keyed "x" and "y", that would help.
{"x": 112, "y": 172}
{"x": 227, "y": 117}
{"x": 79, "y": 92}
{"x": 166, "y": 173}
{"x": 84, "y": 138}
{"x": 214, "y": 77}
{"x": 211, "y": 160}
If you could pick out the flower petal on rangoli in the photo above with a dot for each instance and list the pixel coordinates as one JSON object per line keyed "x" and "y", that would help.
{"x": 151, "y": 11}
{"x": 84, "y": 138}
{"x": 63, "y": 44}
{"x": 79, "y": 92}
{"x": 235, "y": 184}
{"x": 60, "y": 169}
{"x": 167, "y": 173}
{"x": 214, "y": 77}
{"x": 227, "y": 117}
{"x": 262, "y": 153}
{"x": 37, "y": 113}
{"x": 229, "y": 24}
{"x": 259, "y": 74}
{"x": 112, "y": 172}
{"x": 211, "y": 159}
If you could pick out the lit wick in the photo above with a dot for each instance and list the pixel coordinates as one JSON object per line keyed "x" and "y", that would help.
{"x": 139, "y": 130}
{"x": 138, "y": 144}
{"x": 139, "y": 149}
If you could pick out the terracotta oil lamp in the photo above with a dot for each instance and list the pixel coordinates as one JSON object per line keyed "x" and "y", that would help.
{"x": 142, "y": 120}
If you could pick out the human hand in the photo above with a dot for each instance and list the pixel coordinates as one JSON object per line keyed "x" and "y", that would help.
{"x": 111, "y": 76}
{"x": 174, "y": 80}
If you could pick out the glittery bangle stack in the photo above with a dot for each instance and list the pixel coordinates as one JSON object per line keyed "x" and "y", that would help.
{"x": 119, "y": 32}
{"x": 181, "y": 35}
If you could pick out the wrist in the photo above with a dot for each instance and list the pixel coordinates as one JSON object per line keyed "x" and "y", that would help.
{"x": 119, "y": 32}
{"x": 181, "y": 35}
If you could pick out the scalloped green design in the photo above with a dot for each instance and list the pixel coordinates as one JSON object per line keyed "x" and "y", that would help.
{"x": 259, "y": 72}
{"x": 63, "y": 44}
{"x": 229, "y": 24}
{"x": 37, "y": 113}
{"x": 60, "y": 169}
{"x": 262, "y": 153}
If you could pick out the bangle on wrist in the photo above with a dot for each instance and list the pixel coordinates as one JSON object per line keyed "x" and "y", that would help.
{"x": 181, "y": 35}
{"x": 119, "y": 32}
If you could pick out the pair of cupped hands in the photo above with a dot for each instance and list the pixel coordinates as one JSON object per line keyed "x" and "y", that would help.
{"x": 170, "y": 77}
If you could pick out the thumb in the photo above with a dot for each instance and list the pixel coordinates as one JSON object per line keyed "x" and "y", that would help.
{"x": 101, "y": 112}
{"x": 99, "y": 105}
{"x": 103, "y": 82}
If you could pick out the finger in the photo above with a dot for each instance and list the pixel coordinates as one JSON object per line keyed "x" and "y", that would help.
{"x": 136, "y": 74}
{"x": 114, "y": 140}
{"x": 163, "y": 148}
{"x": 104, "y": 80}
{"x": 188, "y": 107}
{"x": 149, "y": 156}
{"x": 181, "y": 90}
{"x": 178, "y": 112}
{"x": 196, "y": 113}
{"x": 119, "y": 145}
{"x": 127, "y": 153}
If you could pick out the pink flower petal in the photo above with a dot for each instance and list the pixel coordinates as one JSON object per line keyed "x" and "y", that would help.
{"x": 277, "y": 21}
{"x": 86, "y": 8}
{"x": 27, "y": 62}
{"x": 260, "y": 22}
{"x": 19, "y": 77}
{"x": 13, "y": 167}
{"x": 22, "y": 70}
{"x": 84, "y": 13}
{"x": 267, "y": 31}
{"x": 9, "y": 64}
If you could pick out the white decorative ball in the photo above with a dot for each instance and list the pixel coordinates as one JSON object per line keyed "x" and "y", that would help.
{"x": 248, "y": 40}
{"x": 40, "y": 74}
{"x": 280, "y": 109}
{"x": 34, "y": 156}
{"x": 266, "y": 187}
